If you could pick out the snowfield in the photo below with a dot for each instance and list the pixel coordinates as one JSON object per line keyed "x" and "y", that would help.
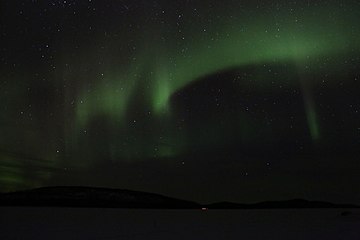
{"x": 97, "y": 223}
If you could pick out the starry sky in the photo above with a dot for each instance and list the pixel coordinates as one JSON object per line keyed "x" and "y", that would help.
{"x": 231, "y": 100}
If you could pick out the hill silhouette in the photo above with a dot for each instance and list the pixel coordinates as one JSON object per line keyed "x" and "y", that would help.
{"x": 73, "y": 196}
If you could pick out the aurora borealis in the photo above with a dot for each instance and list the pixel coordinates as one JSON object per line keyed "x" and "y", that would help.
{"x": 201, "y": 100}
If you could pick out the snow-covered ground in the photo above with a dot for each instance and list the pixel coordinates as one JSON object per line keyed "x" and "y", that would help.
{"x": 84, "y": 223}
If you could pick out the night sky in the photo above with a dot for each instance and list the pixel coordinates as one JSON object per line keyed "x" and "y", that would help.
{"x": 203, "y": 100}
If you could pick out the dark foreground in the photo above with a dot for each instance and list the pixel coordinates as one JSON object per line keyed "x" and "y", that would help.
{"x": 97, "y": 223}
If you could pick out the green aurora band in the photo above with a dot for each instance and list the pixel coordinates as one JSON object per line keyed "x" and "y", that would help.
{"x": 155, "y": 70}
{"x": 164, "y": 68}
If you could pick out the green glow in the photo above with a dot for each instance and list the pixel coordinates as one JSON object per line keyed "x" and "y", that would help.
{"x": 254, "y": 47}
{"x": 167, "y": 151}
{"x": 295, "y": 39}
{"x": 161, "y": 92}
{"x": 110, "y": 97}
{"x": 313, "y": 123}
{"x": 165, "y": 68}
{"x": 13, "y": 175}
{"x": 10, "y": 178}
{"x": 261, "y": 42}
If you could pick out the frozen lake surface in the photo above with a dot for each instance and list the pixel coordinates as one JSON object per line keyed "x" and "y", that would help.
{"x": 84, "y": 223}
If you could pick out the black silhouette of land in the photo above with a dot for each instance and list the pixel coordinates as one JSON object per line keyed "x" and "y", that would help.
{"x": 73, "y": 196}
